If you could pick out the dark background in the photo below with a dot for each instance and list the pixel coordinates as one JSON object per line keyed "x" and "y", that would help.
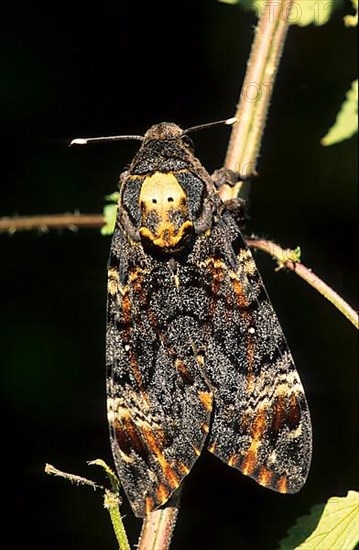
{"x": 72, "y": 69}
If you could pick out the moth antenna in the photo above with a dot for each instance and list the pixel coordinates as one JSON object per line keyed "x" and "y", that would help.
{"x": 227, "y": 121}
{"x": 85, "y": 141}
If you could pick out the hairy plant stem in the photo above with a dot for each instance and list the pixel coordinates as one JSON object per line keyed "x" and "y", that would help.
{"x": 288, "y": 258}
{"x": 111, "y": 496}
{"x": 252, "y": 109}
{"x": 157, "y": 529}
{"x": 49, "y": 221}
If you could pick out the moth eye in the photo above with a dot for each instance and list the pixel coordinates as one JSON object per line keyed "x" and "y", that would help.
{"x": 170, "y": 199}
{"x": 154, "y": 201}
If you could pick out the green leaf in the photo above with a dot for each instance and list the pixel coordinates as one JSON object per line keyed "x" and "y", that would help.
{"x": 316, "y": 12}
{"x": 333, "y": 526}
{"x": 302, "y": 13}
{"x": 352, "y": 20}
{"x": 109, "y": 213}
{"x": 346, "y": 124}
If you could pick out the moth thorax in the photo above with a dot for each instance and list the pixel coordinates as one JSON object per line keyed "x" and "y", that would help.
{"x": 165, "y": 219}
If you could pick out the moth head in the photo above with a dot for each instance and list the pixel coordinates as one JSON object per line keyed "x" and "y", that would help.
{"x": 167, "y": 131}
{"x": 164, "y": 130}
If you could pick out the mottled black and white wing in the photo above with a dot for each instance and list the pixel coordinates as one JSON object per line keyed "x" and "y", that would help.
{"x": 159, "y": 405}
{"x": 261, "y": 423}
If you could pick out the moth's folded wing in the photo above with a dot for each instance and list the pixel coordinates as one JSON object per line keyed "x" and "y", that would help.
{"x": 159, "y": 406}
{"x": 261, "y": 421}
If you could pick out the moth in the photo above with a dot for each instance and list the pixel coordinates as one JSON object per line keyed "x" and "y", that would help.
{"x": 196, "y": 358}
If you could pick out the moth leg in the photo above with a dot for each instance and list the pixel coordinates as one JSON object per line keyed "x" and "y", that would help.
{"x": 225, "y": 176}
{"x": 239, "y": 209}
